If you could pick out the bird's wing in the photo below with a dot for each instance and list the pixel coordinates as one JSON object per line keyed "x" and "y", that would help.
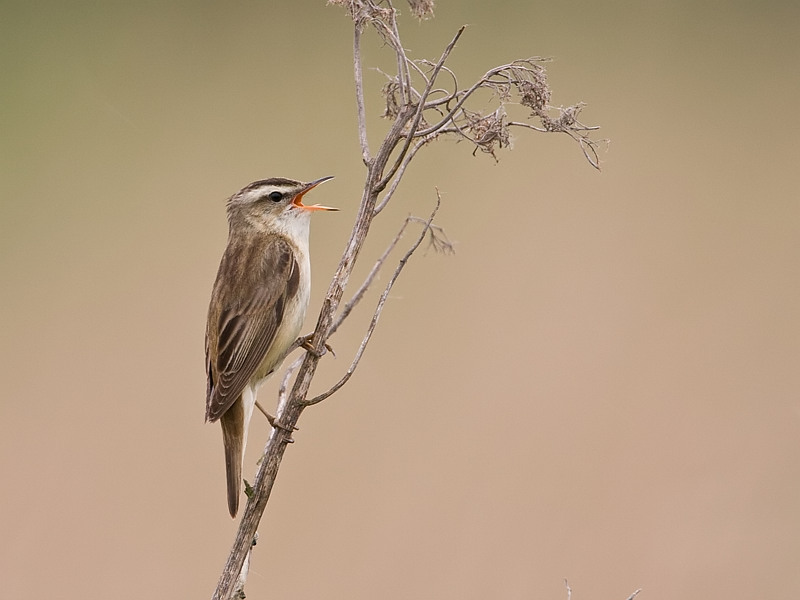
{"x": 259, "y": 281}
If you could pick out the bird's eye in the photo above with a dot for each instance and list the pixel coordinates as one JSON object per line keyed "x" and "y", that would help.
{"x": 275, "y": 196}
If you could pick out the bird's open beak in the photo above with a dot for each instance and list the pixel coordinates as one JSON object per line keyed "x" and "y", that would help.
{"x": 298, "y": 200}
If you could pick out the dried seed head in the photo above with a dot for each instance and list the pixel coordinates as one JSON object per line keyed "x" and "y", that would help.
{"x": 488, "y": 131}
{"x": 390, "y": 91}
{"x": 422, "y": 9}
{"x": 566, "y": 119}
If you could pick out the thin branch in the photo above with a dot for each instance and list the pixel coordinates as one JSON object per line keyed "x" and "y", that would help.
{"x": 349, "y": 306}
{"x": 463, "y": 98}
{"x": 527, "y": 126}
{"x": 569, "y": 591}
{"x": 396, "y": 181}
{"x": 379, "y": 308}
{"x": 401, "y": 54}
{"x": 412, "y": 131}
{"x": 285, "y": 384}
{"x": 238, "y": 592}
{"x": 362, "y": 118}
{"x": 449, "y": 96}
{"x": 589, "y": 151}
{"x": 388, "y": 31}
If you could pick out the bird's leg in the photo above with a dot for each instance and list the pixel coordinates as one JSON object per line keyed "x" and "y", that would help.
{"x": 274, "y": 422}
{"x": 270, "y": 418}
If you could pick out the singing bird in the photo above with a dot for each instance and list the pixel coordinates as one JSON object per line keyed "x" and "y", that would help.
{"x": 257, "y": 307}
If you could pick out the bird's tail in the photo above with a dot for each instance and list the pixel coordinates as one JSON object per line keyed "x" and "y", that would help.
{"x": 233, "y": 438}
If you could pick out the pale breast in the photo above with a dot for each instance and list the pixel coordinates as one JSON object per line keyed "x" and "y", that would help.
{"x": 294, "y": 315}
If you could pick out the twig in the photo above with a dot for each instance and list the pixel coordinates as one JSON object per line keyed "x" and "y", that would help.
{"x": 399, "y": 175}
{"x": 379, "y": 308}
{"x": 362, "y": 118}
{"x": 402, "y": 73}
{"x": 413, "y": 130}
{"x": 448, "y": 95}
{"x": 284, "y": 385}
{"x": 569, "y": 591}
{"x": 527, "y": 126}
{"x": 464, "y": 97}
{"x": 238, "y": 592}
{"x": 349, "y": 306}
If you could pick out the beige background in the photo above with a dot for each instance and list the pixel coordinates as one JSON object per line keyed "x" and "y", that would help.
{"x": 602, "y": 384}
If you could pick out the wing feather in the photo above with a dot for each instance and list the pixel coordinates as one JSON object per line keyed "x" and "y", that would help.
{"x": 253, "y": 285}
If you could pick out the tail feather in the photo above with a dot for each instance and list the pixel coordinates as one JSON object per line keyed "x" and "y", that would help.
{"x": 233, "y": 438}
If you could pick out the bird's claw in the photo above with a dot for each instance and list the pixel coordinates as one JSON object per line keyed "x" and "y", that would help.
{"x": 305, "y": 343}
{"x": 278, "y": 425}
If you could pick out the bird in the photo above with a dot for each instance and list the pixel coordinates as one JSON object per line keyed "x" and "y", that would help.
{"x": 257, "y": 308}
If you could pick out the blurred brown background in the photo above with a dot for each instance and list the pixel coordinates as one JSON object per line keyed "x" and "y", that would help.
{"x": 602, "y": 384}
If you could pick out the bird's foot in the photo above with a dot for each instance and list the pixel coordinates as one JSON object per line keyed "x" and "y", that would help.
{"x": 304, "y": 342}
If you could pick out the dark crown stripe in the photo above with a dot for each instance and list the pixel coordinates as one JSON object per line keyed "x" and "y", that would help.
{"x": 273, "y": 181}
